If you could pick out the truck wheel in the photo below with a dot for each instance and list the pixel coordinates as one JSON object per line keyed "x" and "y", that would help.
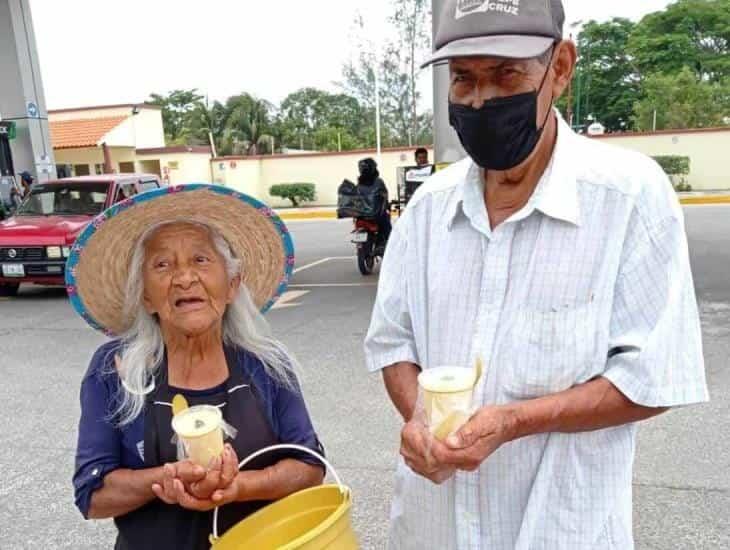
{"x": 9, "y": 290}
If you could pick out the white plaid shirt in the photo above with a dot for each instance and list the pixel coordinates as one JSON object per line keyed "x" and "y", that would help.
{"x": 591, "y": 278}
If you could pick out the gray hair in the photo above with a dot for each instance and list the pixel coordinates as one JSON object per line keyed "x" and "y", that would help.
{"x": 143, "y": 348}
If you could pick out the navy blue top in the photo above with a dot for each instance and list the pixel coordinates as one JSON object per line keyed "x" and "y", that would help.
{"x": 103, "y": 446}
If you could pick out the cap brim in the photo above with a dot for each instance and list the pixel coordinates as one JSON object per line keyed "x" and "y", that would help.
{"x": 506, "y": 46}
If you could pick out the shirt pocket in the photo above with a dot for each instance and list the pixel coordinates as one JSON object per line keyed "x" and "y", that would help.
{"x": 546, "y": 352}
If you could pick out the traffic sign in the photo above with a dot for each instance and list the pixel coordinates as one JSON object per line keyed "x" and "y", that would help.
{"x": 32, "y": 110}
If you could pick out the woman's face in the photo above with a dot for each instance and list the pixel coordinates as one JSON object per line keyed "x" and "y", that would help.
{"x": 185, "y": 280}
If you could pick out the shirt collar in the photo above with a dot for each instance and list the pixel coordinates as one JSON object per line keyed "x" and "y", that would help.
{"x": 556, "y": 194}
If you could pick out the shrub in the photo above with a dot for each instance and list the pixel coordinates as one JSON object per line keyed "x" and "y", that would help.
{"x": 295, "y": 192}
{"x": 674, "y": 165}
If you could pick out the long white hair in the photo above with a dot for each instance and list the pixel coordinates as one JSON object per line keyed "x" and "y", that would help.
{"x": 142, "y": 347}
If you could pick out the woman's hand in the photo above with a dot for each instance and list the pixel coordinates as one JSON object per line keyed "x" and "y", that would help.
{"x": 221, "y": 474}
{"x": 194, "y": 488}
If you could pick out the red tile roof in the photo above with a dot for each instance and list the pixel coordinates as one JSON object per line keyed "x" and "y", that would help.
{"x": 74, "y": 134}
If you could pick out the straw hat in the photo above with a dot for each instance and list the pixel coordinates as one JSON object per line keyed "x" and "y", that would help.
{"x": 98, "y": 266}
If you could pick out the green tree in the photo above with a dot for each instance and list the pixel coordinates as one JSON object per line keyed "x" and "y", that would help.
{"x": 606, "y": 84}
{"x": 205, "y": 119}
{"x": 396, "y": 67}
{"x": 412, "y": 19}
{"x": 176, "y": 108}
{"x": 323, "y": 121}
{"x": 689, "y": 33}
{"x": 682, "y": 101}
{"x": 247, "y": 126}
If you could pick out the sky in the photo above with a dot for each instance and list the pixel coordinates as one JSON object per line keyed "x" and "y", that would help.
{"x": 119, "y": 51}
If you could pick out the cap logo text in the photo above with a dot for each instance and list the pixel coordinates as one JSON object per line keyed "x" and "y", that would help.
{"x": 467, "y": 7}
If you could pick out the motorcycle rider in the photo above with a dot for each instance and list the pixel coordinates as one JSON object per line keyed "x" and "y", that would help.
{"x": 370, "y": 185}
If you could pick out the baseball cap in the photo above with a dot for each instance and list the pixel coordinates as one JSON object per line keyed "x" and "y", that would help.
{"x": 515, "y": 29}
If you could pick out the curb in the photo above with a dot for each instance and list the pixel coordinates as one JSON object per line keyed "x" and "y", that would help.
{"x": 331, "y": 215}
{"x": 719, "y": 199}
{"x": 313, "y": 215}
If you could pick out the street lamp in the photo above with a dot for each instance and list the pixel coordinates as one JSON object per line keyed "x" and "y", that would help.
{"x": 376, "y": 71}
{"x": 573, "y": 26}
{"x": 371, "y": 33}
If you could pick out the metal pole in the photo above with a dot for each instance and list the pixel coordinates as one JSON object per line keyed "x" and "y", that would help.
{"x": 654, "y": 126}
{"x": 22, "y": 99}
{"x": 447, "y": 147}
{"x": 377, "y": 109}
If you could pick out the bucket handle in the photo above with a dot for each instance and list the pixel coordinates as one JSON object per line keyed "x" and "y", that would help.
{"x": 301, "y": 448}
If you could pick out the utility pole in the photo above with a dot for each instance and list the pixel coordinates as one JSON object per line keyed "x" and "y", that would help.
{"x": 22, "y": 99}
{"x": 447, "y": 147}
{"x": 376, "y": 70}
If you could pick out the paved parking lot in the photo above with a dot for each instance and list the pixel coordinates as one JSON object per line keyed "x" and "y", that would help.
{"x": 683, "y": 459}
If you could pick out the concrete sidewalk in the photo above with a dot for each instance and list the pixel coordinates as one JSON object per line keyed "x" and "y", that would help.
{"x": 330, "y": 212}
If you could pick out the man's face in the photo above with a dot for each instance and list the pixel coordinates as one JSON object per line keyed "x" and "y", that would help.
{"x": 475, "y": 80}
{"x": 422, "y": 159}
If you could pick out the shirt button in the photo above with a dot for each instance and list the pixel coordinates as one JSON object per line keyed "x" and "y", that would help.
{"x": 95, "y": 472}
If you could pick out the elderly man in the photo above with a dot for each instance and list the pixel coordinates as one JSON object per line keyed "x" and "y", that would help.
{"x": 560, "y": 261}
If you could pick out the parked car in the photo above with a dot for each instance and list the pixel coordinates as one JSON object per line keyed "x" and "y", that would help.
{"x": 35, "y": 242}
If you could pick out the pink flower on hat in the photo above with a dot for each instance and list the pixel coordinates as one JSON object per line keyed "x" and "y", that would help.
{"x": 98, "y": 221}
{"x": 290, "y": 260}
{"x": 123, "y": 205}
{"x": 174, "y": 188}
{"x": 71, "y": 290}
{"x": 266, "y": 211}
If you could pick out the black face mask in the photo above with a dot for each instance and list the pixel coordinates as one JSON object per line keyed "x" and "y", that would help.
{"x": 503, "y": 132}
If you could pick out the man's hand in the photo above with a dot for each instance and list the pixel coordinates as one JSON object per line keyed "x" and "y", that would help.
{"x": 418, "y": 448}
{"x": 484, "y": 433}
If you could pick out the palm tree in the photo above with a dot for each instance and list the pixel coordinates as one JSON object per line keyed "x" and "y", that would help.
{"x": 248, "y": 128}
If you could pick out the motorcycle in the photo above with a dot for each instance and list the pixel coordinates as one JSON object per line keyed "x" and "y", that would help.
{"x": 366, "y": 235}
{"x": 369, "y": 251}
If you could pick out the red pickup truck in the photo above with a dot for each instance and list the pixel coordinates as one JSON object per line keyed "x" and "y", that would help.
{"x": 35, "y": 242}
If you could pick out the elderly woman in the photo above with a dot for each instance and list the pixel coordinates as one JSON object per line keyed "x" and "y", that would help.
{"x": 179, "y": 276}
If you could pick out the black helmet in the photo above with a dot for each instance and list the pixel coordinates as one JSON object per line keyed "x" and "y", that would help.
{"x": 368, "y": 168}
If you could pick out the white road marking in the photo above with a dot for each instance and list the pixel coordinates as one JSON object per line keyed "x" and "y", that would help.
{"x": 322, "y": 261}
{"x": 286, "y": 299}
{"x": 334, "y": 285}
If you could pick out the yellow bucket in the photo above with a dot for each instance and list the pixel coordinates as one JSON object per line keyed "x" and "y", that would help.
{"x": 313, "y": 519}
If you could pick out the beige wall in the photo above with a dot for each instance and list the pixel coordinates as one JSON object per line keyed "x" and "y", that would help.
{"x": 94, "y": 155}
{"x": 121, "y": 136}
{"x": 191, "y": 167}
{"x": 242, "y": 175}
{"x": 707, "y": 152}
{"x": 148, "y": 129}
{"x": 255, "y": 176}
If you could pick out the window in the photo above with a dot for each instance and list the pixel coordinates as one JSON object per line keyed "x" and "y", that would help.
{"x": 98, "y": 169}
{"x": 125, "y": 191}
{"x": 81, "y": 170}
{"x": 69, "y": 199}
{"x": 148, "y": 185}
{"x": 126, "y": 168}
